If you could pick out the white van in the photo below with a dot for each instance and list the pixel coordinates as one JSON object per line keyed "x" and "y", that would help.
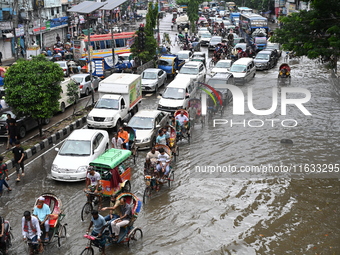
{"x": 63, "y": 101}
{"x": 244, "y": 70}
{"x": 177, "y": 94}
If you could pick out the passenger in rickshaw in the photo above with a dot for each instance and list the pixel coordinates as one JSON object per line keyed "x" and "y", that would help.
{"x": 31, "y": 230}
{"x": 161, "y": 138}
{"x": 125, "y": 137}
{"x": 182, "y": 121}
{"x": 123, "y": 220}
{"x": 151, "y": 161}
{"x": 42, "y": 212}
{"x": 117, "y": 142}
{"x": 99, "y": 225}
{"x": 163, "y": 163}
{"x": 115, "y": 210}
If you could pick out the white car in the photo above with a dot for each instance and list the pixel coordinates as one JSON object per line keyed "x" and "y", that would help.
{"x": 194, "y": 70}
{"x": 64, "y": 66}
{"x": 222, "y": 66}
{"x": 146, "y": 123}
{"x": 79, "y": 149}
{"x": 184, "y": 55}
{"x": 152, "y": 79}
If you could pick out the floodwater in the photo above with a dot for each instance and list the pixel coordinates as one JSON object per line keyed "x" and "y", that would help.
{"x": 227, "y": 212}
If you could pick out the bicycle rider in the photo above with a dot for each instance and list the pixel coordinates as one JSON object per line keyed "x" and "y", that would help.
{"x": 182, "y": 120}
{"x": 31, "y": 231}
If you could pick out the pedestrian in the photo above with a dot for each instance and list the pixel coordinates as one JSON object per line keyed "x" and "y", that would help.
{"x": 0, "y": 58}
{"x": 58, "y": 38}
{"x": 19, "y": 155}
{"x": 11, "y": 130}
{"x": 3, "y": 175}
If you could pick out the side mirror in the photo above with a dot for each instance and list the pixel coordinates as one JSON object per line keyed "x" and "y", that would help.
{"x": 125, "y": 124}
{"x": 158, "y": 126}
{"x": 56, "y": 149}
{"x": 187, "y": 96}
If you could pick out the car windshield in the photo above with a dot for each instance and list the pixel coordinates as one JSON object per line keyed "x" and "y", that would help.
{"x": 262, "y": 56}
{"x": 78, "y": 79}
{"x": 238, "y": 68}
{"x": 188, "y": 70}
{"x": 165, "y": 62}
{"x": 215, "y": 40}
{"x": 222, "y": 64}
{"x": 272, "y": 46}
{"x": 174, "y": 93}
{"x": 203, "y": 29}
{"x": 139, "y": 122}
{"x": 62, "y": 64}
{"x": 183, "y": 56}
{"x": 76, "y": 148}
{"x": 149, "y": 75}
{"x": 216, "y": 83}
{"x": 205, "y": 35}
{"x": 3, "y": 116}
{"x": 107, "y": 103}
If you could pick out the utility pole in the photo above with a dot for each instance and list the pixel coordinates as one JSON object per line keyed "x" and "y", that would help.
{"x": 15, "y": 26}
{"x": 89, "y": 55}
{"x": 112, "y": 43}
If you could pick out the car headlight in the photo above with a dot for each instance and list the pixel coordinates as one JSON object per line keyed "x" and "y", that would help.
{"x": 54, "y": 168}
{"x": 146, "y": 140}
{"x": 90, "y": 118}
{"x": 109, "y": 118}
{"x": 81, "y": 169}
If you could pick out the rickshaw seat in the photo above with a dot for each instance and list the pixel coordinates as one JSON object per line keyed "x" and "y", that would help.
{"x": 53, "y": 220}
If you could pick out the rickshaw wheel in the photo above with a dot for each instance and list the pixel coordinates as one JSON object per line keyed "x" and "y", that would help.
{"x": 147, "y": 194}
{"x": 135, "y": 154}
{"x": 127, "y": 187}
{"x": 87, "y": 251}
{"x": 135, "y": 235}
{"x": 177, "y": 151}
{"x": 86, "y": 211}
{"x": 171, "y": 178}
{"x": 54, "y": 234}
{"x": 61, "y": 235}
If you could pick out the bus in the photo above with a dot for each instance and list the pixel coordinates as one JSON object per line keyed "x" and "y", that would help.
{"x": 102, "y": 44}
{"x": 250, "y": 22}
{"x": 244, "y": 10}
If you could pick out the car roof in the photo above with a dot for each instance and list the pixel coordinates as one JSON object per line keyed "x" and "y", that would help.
{"x": 219, "y": 76}
{"x": 84, "y": 134}
{"x": 243, "y": 61}
{"x": 152, "y": 70}
{"x": 192, "y": 64}
{"x": 63, "y": 62}
{"x": 80, "y": 75}
{"x": 266, "y": 51}
{"x": 147, "y": 113}
{"x": 225, "y": 60}
{"x": 184, "y": 51}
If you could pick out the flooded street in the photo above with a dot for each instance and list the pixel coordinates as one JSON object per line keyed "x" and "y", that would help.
{"x": 227, "y": 212}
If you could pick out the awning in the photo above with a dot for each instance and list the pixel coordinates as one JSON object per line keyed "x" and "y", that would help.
{"x": 87, "y": 7}
{"x": 111, "y": 4}
{"x": 8, "y": 35}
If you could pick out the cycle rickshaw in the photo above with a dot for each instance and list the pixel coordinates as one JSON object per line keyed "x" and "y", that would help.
{"x": 183, "y": 132}
{"x": 284, "y": 74}
{"x": 153, "y": 180}
{"x": 132, "y": 142}
{"x": 127, "y": 234}
{"x": 57, "y": 229}
{"x": 115, "y": 177}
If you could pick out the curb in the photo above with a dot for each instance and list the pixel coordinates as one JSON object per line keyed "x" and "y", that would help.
{"x": 50, "y": 140}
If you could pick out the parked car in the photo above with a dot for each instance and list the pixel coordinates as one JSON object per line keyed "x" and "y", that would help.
{"x": 146, "y": 123}
{"x": 222, "y": 66}
{"x": 84, "y": 82}
{"x": 214, "y": 41}
{"x": 152, "y": 79}
{"x": 64, "y": 66}
{"x": 265, "y": 59}
{"x": 24, "y": 124}
{"x": 80, "y": 148}
{"x": 274, "y": 46}
{"x": 199, "y": 56}
{"x": 194, "y": 70}
{"x": 184, "y": 55}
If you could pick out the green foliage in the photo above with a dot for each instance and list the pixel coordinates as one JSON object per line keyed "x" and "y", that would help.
{"x": 149, "y": 52}
{"x": 72, "y": 93}
{"x": 33, "y": 87}
{"x": 314, "y": 33}
{"x": 192, "y": 12}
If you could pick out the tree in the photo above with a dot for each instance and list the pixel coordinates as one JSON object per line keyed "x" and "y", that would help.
{"x": 193, "y": 13}
{"x": 33, "y": 88}
{"x": 314, "y": 33}
{"x": 72, "y": 94}
{"x": 148, "y": 52}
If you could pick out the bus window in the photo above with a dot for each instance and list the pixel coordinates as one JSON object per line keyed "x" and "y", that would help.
{"x": 93, "y": 46}
{"x": 119, "y": 43}
{"x": 108, "y": 44}
{"x": 97, "y": 45}
{"x": 102, "y": 45}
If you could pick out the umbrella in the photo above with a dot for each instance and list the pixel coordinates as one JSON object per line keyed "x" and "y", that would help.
{"x": 205, "y": 7}
{"x": 202, "y": 19}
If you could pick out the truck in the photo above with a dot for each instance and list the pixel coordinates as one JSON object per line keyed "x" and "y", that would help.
{"x": 170, "y": 64}
{"x": 119, "y": 96}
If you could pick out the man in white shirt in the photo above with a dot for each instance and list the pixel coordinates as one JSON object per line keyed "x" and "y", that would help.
{"x": 117, "y": 142}
{"x": 163, "y": 165}
{"x": 182, "y": 119}
{"x": 93, "y": 183}
{"x": 31, "y": 230}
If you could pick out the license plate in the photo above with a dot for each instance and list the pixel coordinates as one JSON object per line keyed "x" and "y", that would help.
{"x": 67, "y": 177}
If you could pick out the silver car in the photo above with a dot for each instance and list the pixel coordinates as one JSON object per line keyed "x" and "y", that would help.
{"x": 84, "y": 82}
{"x": 64, "y": 66}
{"x": 152, "y": 79}
{"x": 146, "y": 123}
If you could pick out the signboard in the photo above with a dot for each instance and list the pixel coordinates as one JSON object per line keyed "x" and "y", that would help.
{"x": 6, "y": 25}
